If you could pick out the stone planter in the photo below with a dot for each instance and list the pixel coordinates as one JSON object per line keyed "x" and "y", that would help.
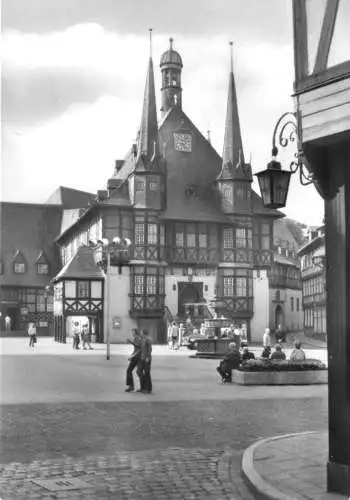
{"x": 305, "y": 377}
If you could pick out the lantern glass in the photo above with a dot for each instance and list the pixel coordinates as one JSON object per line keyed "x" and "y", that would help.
{"x": 274, "y": 186}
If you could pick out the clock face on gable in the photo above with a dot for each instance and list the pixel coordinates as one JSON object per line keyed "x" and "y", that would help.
{"x": 183, "y": 142}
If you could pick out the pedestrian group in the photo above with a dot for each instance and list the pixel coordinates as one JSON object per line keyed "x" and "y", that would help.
{"x": 141, "y": 359}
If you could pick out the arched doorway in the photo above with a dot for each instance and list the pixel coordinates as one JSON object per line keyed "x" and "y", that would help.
{"x": 189, "y": 293}
{"x": 279, "y": 317}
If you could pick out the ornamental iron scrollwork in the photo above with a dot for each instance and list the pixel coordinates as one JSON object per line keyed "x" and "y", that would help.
{"x": 286, "y": 132}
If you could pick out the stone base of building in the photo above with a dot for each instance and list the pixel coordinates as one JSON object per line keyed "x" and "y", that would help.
{"x": 338, "y": 478}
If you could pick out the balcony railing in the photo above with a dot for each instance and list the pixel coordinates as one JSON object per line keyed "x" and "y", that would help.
{"x": 258, "y": 258}
{"x": 146, "y": 305}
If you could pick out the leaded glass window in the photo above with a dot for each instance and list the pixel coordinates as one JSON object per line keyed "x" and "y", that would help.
{"x": 228, "y": 286}
{"x": 83, "y": 289}
{"x": 139, "y": 234}
{"x": 152, "y": 234}
{"x": 228, "y": 237}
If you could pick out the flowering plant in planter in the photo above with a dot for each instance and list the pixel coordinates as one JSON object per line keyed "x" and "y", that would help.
{"x": 270, "y": 365}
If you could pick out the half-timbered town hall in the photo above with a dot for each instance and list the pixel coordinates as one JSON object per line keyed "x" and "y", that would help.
{"x": 201, "y": 241}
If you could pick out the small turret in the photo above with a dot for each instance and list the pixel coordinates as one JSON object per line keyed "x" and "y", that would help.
{"x": 171, "y": 65}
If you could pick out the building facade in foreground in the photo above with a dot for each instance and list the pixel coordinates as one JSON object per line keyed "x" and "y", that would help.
{"x": 312, "y": 257}
{"x": 202, "y": 241}
{"x": 285, "y": 281}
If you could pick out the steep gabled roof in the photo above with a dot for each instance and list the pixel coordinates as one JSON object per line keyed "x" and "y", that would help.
{"x": 148, "y": 145}
{"x": 233, "y": 164}
{"x": 81, "y": 265}
{"x": 70, "y": 198}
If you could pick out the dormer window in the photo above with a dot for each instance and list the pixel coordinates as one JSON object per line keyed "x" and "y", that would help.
{"x": 19, "y": 268}
{"x": 139, "y": 185}
{"x": 42, "y": 269}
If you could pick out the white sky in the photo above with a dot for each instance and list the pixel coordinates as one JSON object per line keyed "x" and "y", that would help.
{"x": 74, "y": 72}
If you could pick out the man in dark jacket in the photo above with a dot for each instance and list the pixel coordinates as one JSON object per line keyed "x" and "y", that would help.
{"x": 144, "y": 364}
{"x": 133, "y": 360}
{"x": 230, "y": 362}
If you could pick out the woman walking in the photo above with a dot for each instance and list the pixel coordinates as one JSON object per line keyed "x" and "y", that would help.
{"x": 133, "y": 360}
{"x": 32, "y": 334}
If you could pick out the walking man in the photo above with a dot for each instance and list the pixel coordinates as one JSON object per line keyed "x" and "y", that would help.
{"x": 144, "y": 364}
{"x": 32, "y": 334}
{"x": 85, "y": 336}
{"x": 133, "y": 360}
{"x": 174, "y": 335}
{"x": 76, "y": 336}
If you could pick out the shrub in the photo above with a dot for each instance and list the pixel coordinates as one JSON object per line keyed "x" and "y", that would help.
{"x": 268, "y": 365}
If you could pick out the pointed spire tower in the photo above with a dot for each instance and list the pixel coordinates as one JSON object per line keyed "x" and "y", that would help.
{"x": 235, "y": 178}
{"x": 147, "y": 176}
{"x": 148, "y": 144}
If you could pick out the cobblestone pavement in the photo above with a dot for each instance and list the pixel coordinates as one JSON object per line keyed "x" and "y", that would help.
{"x": 68, "y": 416}
{"x": 170, "y": 474}
{"x": 141, "y": 450}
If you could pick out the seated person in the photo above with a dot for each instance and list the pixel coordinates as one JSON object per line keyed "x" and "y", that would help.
{"x": 266, "y": 352}
{"x": 278, "y": 354}
{"x": 297, "y": 354}
{"x": 247, "y": 354}
{"x": 231, "y": 361}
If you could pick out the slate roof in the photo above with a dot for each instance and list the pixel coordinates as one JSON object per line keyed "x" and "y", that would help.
{"x": 70, "y": 198}
{"x": 31, "y": 230}
{"x": 81, "y": 265}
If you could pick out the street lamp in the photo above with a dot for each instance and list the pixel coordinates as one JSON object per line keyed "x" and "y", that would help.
{"x": 107, "y": 253}
{"x": 274, "y": 182}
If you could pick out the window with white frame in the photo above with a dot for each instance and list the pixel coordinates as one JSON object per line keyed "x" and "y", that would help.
{"x": 241, "y": 237}
{"x": 19, "y": 268}
{"x": 139, "y": 234}
{"x": 151, "y": 285}
{"x": 152, "y": 234}
{"x": 228, "y": 286}
{"x": 241, "y": 287}
{"x": 42, "y": 269}
{"x": 191, "y": 236}
{"x": 179, "y": 239}
{"x": 138, "y": 284}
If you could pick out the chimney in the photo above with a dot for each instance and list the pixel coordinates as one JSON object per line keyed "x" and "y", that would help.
{"x": 118, "y": 165}
{"x": 102, "y": 195}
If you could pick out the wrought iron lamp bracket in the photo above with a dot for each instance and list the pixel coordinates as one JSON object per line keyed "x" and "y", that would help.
{"x": 286, "y": 132}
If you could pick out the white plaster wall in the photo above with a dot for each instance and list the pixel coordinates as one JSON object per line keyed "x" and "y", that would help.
{"x": 171, "y": 298}
{"x": 119, "y": 306}
{"x": 261, "y": 317}
{"x": 293, "y": 320}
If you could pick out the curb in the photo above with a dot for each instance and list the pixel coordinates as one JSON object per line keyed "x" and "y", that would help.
{"x": 255, "y": 482}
